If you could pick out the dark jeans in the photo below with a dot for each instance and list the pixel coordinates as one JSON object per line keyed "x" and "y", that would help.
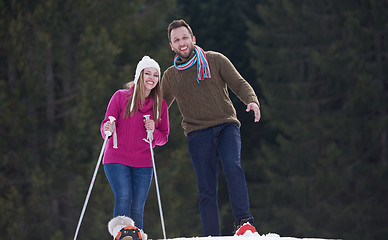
{"x": 205, "y": 147}
{"x": 130, "y": 186}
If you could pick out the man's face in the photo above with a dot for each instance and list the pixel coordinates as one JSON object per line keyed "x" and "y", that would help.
{"x": 181, "y": 42}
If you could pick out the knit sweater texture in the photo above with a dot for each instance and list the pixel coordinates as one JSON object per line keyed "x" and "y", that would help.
{"x": 132, "y": 149}
{"x": 207, "y": 103}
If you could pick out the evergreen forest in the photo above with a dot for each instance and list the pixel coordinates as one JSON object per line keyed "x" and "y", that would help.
{"x": 316, "y": 164}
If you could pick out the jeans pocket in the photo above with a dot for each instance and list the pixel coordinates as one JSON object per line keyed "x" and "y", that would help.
{"x": 191, "y": 135}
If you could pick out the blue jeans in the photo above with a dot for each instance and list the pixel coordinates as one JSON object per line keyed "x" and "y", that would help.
{"x": 205, "y": 147}
{"x": 130, "y": 186}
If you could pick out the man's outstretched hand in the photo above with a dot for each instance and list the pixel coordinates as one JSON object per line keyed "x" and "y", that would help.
{"x": 253, "y": 106}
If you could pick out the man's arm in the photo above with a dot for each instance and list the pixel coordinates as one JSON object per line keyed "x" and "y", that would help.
{"x": 239, "y": 86}
{"x": 166, "y": 89}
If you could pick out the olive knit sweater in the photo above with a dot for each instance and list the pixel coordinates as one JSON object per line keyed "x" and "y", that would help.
{"x": 207, "y": 103}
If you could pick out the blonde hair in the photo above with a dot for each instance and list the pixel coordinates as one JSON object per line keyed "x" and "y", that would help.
{"x": 155, "y": 94}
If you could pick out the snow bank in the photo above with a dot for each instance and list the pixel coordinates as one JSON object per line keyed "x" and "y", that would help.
{"x": 269, "y": 236}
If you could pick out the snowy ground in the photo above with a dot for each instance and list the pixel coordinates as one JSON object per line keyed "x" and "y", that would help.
{"x": 269, "y": 236}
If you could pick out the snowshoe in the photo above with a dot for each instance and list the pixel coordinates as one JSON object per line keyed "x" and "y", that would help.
{"x": 245, "y": 229}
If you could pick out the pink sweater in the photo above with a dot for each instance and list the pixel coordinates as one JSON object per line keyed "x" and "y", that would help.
{"x": 132, "y": 149}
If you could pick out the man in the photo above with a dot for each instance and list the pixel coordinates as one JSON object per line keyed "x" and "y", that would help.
{"x": 198, "y": 81}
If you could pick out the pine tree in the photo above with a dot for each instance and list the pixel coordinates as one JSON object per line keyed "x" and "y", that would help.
{"x": 62, "y": 63}
{"x": 322, "y": 72}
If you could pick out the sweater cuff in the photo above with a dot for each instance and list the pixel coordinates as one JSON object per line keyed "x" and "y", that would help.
{"x": 253, "y": 99}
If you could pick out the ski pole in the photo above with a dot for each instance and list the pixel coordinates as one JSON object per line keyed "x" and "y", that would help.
{"x": 149, "y": 140}
{"x": 107, "y": 135}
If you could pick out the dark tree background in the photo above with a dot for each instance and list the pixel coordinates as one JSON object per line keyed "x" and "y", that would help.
{"x": 316, "y": 163}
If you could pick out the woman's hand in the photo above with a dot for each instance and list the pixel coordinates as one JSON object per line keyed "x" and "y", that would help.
{"x": 108, "y": 126}
{"x": 149, "y": 124}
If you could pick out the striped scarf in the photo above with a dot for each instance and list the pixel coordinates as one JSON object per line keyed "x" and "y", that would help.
{"x": 203, "y": 70}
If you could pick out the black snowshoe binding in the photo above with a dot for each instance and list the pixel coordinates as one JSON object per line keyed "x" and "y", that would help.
{"x": 129, "y": 233}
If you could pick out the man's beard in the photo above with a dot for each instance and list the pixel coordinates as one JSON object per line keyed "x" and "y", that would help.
{"x": 191, "y": 49}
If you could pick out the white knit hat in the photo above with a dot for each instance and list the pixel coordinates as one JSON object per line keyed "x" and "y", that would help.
{"x": 145, "y": 62}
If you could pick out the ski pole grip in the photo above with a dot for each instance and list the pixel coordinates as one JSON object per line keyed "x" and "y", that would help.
{"x": 147, "y": 117}
{"x": 111, "y": 119}
{"x": 149, "y": 132}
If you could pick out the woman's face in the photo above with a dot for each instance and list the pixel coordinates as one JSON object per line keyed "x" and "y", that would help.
{"x": 151, "y": 78}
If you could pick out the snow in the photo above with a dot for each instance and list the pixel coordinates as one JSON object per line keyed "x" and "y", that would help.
{"x": 256, "y": 236}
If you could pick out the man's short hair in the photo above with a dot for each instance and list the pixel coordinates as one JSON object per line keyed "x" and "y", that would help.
{"x": 177, "y": 24}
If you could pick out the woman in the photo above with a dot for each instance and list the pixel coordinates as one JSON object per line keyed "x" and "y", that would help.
{"x": 127, "y": 159}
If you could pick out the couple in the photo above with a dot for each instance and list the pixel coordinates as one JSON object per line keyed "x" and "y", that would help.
{"x": 198, "y": 80}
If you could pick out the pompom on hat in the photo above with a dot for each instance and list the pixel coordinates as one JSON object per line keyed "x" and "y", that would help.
{"x": 145, "y": 62}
